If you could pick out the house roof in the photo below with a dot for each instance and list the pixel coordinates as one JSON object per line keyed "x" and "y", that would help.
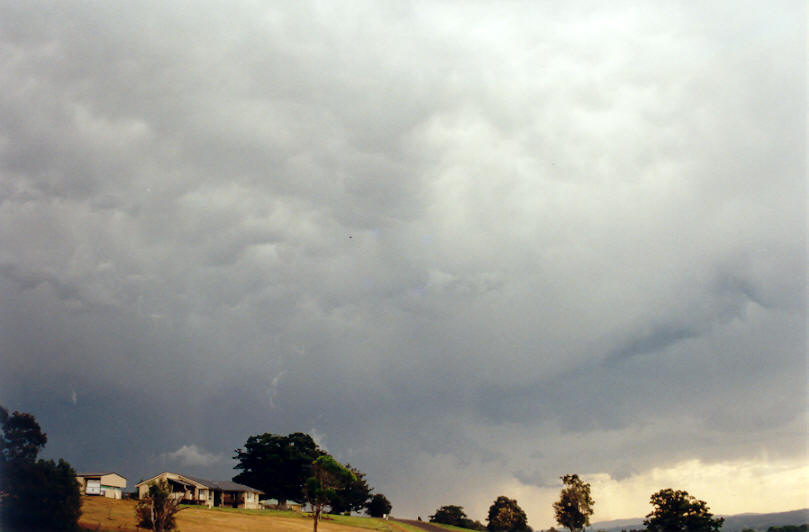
{"x": 224, "y": 485}
{"x": 100, "y": 474}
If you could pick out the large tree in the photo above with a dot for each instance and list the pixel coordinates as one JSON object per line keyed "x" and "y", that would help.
{"x": 575, "y": 505}
{"x": 353, "y": 496}
{"x": 34, "y": 494}
{"x": 677, "y": 510}
{"x": 277, "y": 465}
{"x": 328, "y": 475}
{"x": 505, "y": 515}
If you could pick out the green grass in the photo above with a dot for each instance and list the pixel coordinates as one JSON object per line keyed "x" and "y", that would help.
{"x": 275, "y": 513}
{"x": 369, "y": 523}
{"x": 453, "y": 527}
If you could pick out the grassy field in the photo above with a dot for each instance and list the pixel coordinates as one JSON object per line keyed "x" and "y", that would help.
{"x": 107, "y": 515}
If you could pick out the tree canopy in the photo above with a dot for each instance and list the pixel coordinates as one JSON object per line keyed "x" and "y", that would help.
{"x": 352, "y": 496}
{"x": 505, "y": 515}
{"x": 22, "y": 436}
{"x": 679, "y": 511}
{"x": 449, "y": 515}
{"x": 34, "y": 494}
{"x": 277, "y": 465}
{"x": 327, "y": 476}
{"x": 455, "y": 515}
{"x": 575, "y": 505}
{"x": 378, "y": 506}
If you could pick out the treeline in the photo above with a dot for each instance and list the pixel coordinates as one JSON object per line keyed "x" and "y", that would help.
{"x": 673, "y": 511}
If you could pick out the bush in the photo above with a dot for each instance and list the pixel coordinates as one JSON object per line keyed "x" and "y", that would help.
{"x": 156, "y": 511}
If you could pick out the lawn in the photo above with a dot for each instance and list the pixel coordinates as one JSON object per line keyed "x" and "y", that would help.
{"x": 107, "y": 515}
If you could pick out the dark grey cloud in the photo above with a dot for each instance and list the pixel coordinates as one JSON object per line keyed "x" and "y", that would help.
{"x": 441, "y": 239}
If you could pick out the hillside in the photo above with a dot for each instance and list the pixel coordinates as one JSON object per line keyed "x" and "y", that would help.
{"x": 733, "y": 523}
{"x": 103, "y": 514}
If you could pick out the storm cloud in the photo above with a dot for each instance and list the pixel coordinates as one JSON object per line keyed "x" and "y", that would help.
{"x": 469, "y": 247}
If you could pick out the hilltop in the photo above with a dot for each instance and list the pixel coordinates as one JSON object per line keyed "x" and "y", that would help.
{"x": 100, "y": 513}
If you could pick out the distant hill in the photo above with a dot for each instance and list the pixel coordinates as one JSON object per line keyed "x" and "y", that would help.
{"x": 733, "y": 523}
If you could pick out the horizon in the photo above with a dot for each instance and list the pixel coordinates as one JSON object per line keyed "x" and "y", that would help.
{"x": 468, "y": 248}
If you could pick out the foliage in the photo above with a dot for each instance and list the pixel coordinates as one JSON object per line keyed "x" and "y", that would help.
{"x": 277, "y": 465}
{"x": 378, "y": 506}
{"x": 575, "y": 505}
{"x": 449, "y": 515}
{"x": 789, "y": 528}
{"x": 677, "y": 510}
{"x": 156, "y": 511}
{"x": 353, "y": 496}
{"x": 455, "y": 516}
{"x": 22, "y": 437}
{"x": 327, "y": 476}
{"x": 505, "y": 515}
{"x": 34, "y": 494}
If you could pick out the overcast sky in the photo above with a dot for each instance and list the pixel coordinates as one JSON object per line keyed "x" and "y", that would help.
{"x": 468, "y": 246}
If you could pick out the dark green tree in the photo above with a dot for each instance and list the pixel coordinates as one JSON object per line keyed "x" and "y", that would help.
{"x": 353, "y": 496}
{"x": 22, "y": 436}
{"x": 575, "y": 505}
{"x": 505, "y": 515}
{"x": 450, "y": 515}
{"x": 455, "y": 515}
{"x": 277, "y": 465}
{"x": 34, "y": 494}
{"x": 378, "y": 506}
{"x": 677, "y": 510}
{"x": 328, "y": 475}
{"x": 157, "y": 510}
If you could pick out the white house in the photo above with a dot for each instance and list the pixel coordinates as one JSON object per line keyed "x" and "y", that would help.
{"x": 210, "y": 493}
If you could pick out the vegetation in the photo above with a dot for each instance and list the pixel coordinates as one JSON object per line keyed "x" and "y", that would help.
{"x": 378, "y": 506}
{"x": 677, "y": 510}
{"x": 455, "y": 516}
{"x": 505, "y": 515}
{"x": 327, "y": 476}
{"x": 277, "y": 465}
{"x": 575, "y": 505}
{"x": 157, "y": 510}
{"x": 34, "y": 494}
{"x": 353, "y": 496}
{"x": 789, "y": 528}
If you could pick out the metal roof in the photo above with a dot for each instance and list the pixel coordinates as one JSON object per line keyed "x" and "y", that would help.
{"x": 224, "y": 485}
{"x": 100, "y": 474}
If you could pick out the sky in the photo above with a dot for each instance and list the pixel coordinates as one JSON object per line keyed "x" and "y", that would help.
{"x": 469, "y": 247}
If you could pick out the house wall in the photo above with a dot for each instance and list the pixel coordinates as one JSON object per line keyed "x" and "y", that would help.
{"x": 111, "y": 485}
{"x": 113, "y": 480}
